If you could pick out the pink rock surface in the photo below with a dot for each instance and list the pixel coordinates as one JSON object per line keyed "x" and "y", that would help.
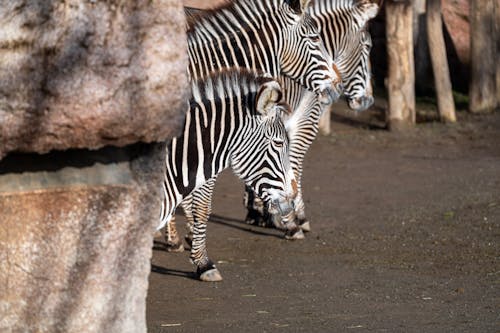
{"x": 85, "y": 74}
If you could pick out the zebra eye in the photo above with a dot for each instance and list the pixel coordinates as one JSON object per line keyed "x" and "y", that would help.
{"x": 314, "y": 38}
{"x": 278, "y": 143}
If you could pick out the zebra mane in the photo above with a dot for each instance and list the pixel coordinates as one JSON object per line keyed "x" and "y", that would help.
{"x": 341, "y": 4}
{"x": 199, "y": 18}
{"x": 228, "y": 83}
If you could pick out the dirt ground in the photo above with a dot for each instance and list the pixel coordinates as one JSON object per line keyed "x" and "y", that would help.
{"x": 406, "y": 238}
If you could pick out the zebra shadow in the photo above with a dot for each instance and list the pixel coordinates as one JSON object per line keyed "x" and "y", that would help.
{"x": 240, "y": 225}
{"x": 173, "y": 272}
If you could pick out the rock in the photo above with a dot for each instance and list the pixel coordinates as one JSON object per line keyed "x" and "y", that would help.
{"x": 85, "y": 74}
{"x": 77, "y": 225}
{"x": 75, "y": 257}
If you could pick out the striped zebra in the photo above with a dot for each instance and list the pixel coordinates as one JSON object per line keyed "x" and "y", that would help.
{"x": 234, "y": 120}
{"x": 343, "y": 25}
{"x": 275, "y": 36}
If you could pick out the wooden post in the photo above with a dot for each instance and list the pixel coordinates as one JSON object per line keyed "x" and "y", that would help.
{"x": 401, "y": 73}
{"x": 483, "y": 91}
{"x": 437, "y": 49}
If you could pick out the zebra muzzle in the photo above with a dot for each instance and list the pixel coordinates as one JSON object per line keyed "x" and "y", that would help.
{"x": 361, "y": 104}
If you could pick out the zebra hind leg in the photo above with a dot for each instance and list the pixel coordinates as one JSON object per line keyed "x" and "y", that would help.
{"x": 300, "y": 218}
{"x": 259, "y": 215}
{"x": 173, "y": 242}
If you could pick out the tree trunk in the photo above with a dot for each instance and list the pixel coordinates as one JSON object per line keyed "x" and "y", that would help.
{"x": 401, "y": 72}
{"x": 437, "y": 49}
{"x": 483, "y": 91}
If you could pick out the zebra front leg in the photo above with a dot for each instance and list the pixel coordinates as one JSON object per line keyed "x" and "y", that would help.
{"x": 259, "y": 212}
{"x": 201, "y": 207}
{"x": 205, "y": 268}
{"x": 300, "y": 214}
{"x": 174, "y": 243}
{"x": 292, "y": 230}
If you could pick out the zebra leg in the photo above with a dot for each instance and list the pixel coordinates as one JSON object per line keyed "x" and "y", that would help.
{"x": 306, "y": 130}
{"x": 187, "y": 206}
{"x": 257, "y": 214}
{"x": 174, "y": 243}
{"x": 300, "y": 214}
{"x": 201, "y": 207}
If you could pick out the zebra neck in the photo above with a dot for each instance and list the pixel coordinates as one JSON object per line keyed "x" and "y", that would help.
{"x": 238, "y": 35}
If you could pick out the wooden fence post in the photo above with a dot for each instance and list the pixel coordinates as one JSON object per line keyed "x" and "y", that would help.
{"x": 437, "y": 49}
{"x": 401, "y": 73}
{"x": 483, "y": 91}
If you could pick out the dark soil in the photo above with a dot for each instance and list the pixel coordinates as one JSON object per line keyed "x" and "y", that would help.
{"x": 406, "y": 238}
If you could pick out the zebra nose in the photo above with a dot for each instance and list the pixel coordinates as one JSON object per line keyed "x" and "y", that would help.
{"x": 361, "y": 103}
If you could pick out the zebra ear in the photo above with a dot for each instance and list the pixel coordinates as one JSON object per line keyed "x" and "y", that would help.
{"x": 370, "y": 10}
{"x": 268, "y": 97}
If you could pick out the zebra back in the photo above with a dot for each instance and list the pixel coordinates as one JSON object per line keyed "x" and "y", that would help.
{"x": 266, "y": 35}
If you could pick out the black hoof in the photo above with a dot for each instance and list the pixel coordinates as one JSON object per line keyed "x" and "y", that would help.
{"x": 304, "y": 225}
{"x": 294, "y": 234}
{"x": 209, "y": 273}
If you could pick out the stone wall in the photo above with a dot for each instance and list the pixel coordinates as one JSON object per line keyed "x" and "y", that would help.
{"x": 86, "y": 89}
{"x": 87, "y": 74}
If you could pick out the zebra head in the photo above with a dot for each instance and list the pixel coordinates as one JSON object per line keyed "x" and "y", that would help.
{"x": 263, "y": 159}
{"x": 348, "y": 41}
{"x": 357, "y": 76}
{"x": 303, "y": 56}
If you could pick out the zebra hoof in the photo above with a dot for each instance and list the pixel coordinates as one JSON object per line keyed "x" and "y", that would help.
{"x": 212, "y": 275}
{"x": 295, "y": 234}
{"x": 175, "y": 247}
{"x": 305, "y": 226}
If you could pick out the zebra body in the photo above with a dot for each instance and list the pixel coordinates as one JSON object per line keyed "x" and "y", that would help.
{"x": 274, "y": 36}
{"x": 234, "y": 120}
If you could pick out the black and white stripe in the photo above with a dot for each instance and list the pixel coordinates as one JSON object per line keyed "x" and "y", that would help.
{"x": 275, "y": 36}
{"x": 234, "y": 120}
{"x": 343, "y": 28}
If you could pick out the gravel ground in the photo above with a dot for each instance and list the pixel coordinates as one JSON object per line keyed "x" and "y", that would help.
{"x": 405, "y": 238}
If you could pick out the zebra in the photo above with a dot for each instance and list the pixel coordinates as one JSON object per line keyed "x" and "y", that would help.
{"x": 275, "y": 36}
{"x": 234, "y": 120}
{"x": 343, "y": 26}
